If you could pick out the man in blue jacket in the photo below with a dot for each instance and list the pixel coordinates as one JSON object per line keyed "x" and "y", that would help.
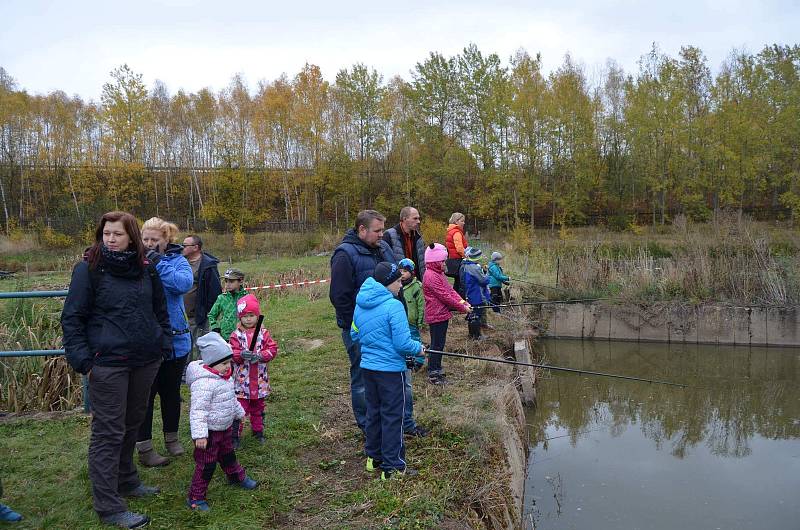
{"x": 380, "y": 326}
{"x": 353, "y": 261}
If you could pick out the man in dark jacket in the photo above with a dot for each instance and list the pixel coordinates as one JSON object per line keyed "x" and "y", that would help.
{"x": 206, "y": 288}
{"x": 406, "y": 241}
{"x": 353, "y": 261}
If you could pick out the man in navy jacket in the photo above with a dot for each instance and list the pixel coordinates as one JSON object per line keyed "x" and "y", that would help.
{"x": 207, "y": 286}
{"x": 353, "y": 261}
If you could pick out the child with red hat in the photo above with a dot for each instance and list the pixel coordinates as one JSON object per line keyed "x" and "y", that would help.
{"x": 250, "y": 375}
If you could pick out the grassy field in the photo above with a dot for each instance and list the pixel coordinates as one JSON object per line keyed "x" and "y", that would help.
{"x": 311, "y": 469}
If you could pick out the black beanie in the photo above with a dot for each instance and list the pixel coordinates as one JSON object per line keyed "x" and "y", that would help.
{"x": 386, "y": 273}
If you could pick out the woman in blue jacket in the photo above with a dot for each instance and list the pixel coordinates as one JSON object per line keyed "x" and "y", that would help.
{"x": 177, "y": 278}
{"x": 380, "y": 325}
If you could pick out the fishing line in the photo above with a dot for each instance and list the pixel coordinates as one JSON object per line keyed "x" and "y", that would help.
{"x": 556, "y": 368}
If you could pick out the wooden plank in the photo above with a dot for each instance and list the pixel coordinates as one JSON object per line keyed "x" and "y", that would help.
{"x": 526, "y": 374}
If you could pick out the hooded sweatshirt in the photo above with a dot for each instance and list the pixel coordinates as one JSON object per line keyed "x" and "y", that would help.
{"x": 177, "y": 278}
{"x": 381, "y": 326}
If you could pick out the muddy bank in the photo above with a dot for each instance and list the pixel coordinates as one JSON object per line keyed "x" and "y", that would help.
{"x": 493, "y": 417}
{"x": 672, "y": 322}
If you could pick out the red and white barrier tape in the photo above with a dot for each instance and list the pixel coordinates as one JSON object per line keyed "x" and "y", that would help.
{"x": 282, "y": 285}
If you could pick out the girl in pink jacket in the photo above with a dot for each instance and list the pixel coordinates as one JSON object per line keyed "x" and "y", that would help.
{"x": 250, "y": 374}
{"x": 440, "y": 299}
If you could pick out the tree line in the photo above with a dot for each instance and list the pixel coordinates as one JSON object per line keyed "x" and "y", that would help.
{"x": 501, "y": 141}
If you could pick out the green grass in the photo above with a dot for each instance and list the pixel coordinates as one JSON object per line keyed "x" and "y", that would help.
{"x": 310, "y": 469}
{"x": 44, "y": 465}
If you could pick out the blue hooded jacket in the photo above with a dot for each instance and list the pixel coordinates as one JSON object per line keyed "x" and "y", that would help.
{"x": 381, "y": 326}
{"x": 176, "y": 275}
{"x": 475, "y": 283}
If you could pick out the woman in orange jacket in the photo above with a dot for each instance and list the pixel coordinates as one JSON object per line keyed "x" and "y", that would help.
{"x": 456, "y": 242}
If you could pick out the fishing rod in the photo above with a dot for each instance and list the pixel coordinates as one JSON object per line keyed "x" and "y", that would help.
{"x": 541, "y": 302}
{"x": 556, "y": 368}
{"x": 539, "y": 284}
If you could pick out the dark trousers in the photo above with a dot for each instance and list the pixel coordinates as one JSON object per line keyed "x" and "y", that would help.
{"x": 474, "y": 320}
{"x": 219, "y": 448}
{"x": 119, "y": 402}
{"x": 356, "y": 380}
{"x": 385, "y": 394}
{"x": 438, "y": 339}
{"x": 167, "y": 385}
{"x": 497, "y": 295}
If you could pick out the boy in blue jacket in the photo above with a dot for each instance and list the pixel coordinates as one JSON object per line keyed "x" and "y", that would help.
{"x": 381, "y": 327}
{"x": 475, "y": 287}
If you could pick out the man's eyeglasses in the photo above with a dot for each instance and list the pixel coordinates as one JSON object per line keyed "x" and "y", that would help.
{"x": 191, "y": 245}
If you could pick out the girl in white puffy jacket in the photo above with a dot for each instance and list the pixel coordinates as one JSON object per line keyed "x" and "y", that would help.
{"x": 214, "y": 407}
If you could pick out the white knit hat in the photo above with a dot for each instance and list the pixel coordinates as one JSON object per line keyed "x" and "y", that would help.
{"x": 214, "y": 349}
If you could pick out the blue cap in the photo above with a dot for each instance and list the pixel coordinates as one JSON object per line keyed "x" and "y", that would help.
{"x": 406, "y": 264}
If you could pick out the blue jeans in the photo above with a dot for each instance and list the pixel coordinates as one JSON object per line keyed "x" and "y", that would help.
{"x": 356, "y": 380}
{"x": 408, "y": 412}
{"x": 384, "y": 434}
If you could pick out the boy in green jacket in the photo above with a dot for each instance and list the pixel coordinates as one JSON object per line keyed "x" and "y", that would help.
{"x": 222, "y": 317}
{"x": 414, "y": 302}
{"x": 412, "y": 293}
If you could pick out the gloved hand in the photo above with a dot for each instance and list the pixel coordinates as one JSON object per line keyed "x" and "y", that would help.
{"x": 248, "y": 355}
{"x": 495, "y": 308}
{"x": 419, "y": 359}
{"x": 507, "y": 282}
{"x": 154, "y": 256}
{"x": 410, "y": 361}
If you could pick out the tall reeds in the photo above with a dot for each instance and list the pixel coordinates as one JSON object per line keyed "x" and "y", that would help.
{"x": 35, "y": 383}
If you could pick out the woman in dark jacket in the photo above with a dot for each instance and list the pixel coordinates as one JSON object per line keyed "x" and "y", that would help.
{"x": 116, "y": 331}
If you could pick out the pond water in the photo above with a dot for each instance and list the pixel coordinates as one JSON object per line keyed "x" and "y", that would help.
{"x": 615, "y": 454}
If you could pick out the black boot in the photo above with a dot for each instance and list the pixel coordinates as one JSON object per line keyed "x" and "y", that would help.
{"x": 474, "y": 330}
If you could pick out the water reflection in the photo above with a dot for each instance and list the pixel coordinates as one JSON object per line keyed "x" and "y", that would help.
{"x": 588, "y": 430}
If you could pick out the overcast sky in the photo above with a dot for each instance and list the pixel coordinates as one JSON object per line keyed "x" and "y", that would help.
{"x": 72, "y": 46}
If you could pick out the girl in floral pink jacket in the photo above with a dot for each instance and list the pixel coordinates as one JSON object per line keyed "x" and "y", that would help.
{"x": 440, "y": 299}
{"x": 250, "y": 375}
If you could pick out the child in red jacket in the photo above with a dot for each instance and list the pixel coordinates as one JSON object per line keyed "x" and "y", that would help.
{"x": 250, "y": 375}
